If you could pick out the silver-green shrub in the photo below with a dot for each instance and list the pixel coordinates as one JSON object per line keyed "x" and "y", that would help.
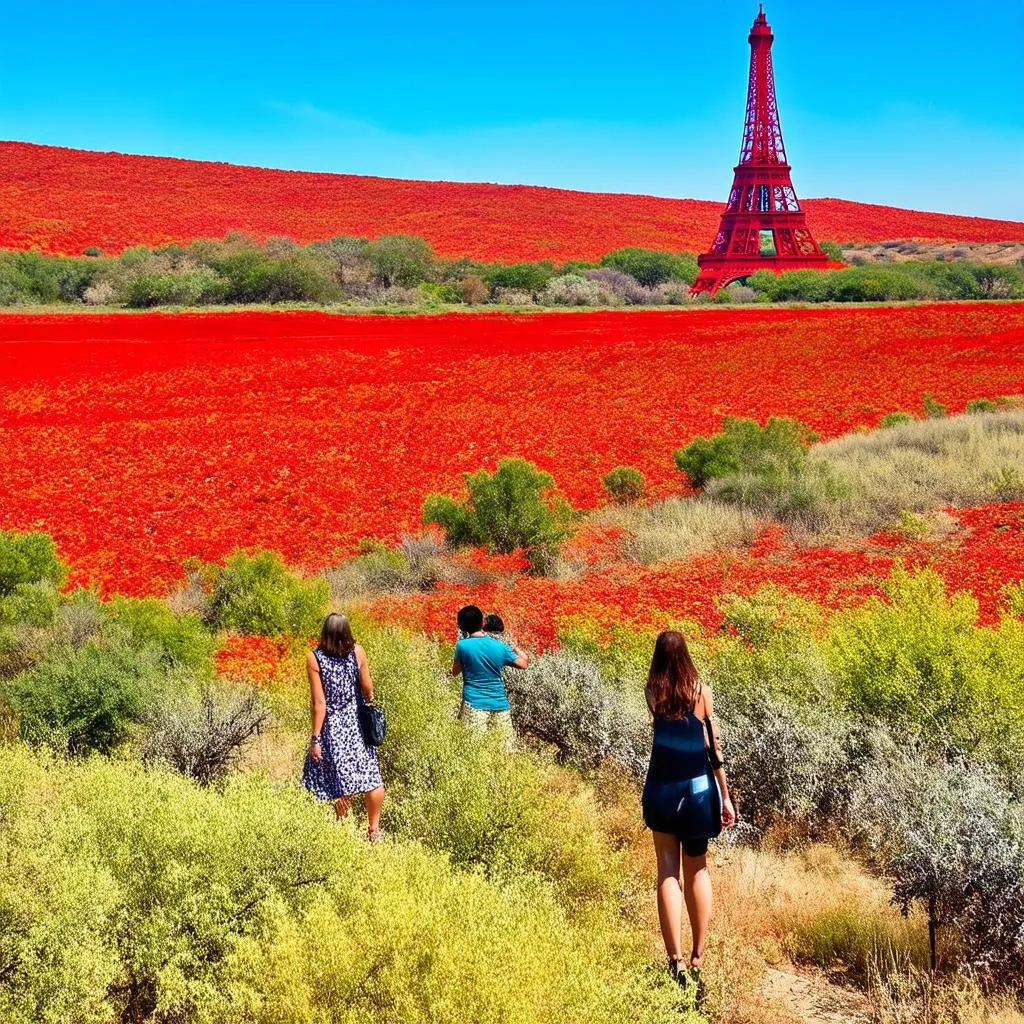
{"x": 563, "y": 701}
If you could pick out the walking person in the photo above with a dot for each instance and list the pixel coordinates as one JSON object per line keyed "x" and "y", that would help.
{"x": 340, "y": 763}
{"x": 481, "y": 660}
{"x": 685, "y": 800}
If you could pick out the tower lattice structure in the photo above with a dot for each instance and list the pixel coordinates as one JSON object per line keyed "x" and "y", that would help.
{"x": 762, "y": 199}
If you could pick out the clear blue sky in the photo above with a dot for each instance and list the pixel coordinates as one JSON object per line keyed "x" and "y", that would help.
{"x": 891, "y": 101}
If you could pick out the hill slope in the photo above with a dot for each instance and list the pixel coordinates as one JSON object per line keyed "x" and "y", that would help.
{"x": 62, "y": 200}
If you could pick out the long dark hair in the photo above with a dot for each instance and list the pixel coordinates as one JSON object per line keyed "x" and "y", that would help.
{"x": 672, "y": 683}
{"x": 336, "y": 636}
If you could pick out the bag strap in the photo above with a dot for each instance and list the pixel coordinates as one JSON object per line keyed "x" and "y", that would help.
{"x": 713, "y": 758}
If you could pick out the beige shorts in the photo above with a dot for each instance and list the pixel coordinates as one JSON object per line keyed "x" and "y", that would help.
{"x": 486, "y": 721}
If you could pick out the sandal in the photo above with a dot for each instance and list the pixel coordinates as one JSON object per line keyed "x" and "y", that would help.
{"x": 374, "y": 835}
{"x": 678, "y": 973}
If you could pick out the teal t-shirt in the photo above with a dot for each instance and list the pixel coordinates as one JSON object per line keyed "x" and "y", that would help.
{"x": 482, "y": 659}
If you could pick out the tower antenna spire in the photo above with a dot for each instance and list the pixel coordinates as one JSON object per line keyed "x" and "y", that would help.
{"x": 763, "y": 226}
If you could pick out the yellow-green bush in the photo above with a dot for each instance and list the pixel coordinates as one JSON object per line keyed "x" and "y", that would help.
{"x": 131, "y": 894}
{"x": 466, "y": 795}
{"x": 919, "y": 661}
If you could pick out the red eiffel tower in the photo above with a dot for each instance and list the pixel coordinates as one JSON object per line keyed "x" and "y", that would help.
{"x": 763, "y": 227}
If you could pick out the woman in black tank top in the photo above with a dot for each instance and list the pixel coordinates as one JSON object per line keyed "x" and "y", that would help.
{"x": 686, "y": 797}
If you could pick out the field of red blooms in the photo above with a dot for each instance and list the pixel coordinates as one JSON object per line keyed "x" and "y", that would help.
{"x": 982, "y": 555}
{"x": 63, "y": 200}
{"x": 139, "y": 441}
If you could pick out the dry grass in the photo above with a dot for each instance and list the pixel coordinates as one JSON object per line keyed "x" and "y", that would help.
{"x": 679, "y": 528}
{"x": 918, "y": 467}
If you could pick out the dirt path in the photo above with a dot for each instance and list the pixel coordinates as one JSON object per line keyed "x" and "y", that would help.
{"x": 812, "y": 999}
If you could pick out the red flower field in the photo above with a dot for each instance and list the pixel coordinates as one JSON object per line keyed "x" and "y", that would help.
{"x": 984, "y": 554}
{"x": 62, "y": 200}
{"x": 141, "y": 440}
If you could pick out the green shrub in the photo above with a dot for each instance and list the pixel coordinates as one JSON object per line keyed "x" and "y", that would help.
{"x": 175, "y": 288}
{"x": 651, "y": 267}
{"x": 933, "y": 409}
{"x": 301, "y": 276}
{"x": 441, "y": 292}
{"x": 89, "y": 699}
{"x": 28, "y": 558}
{"x": 509, "y": 510}
{"x": 743, "y": 445}
{"x": 919, "y": 661}
{"x": 249, "y": 274}
{"x": 624, "y": 484}
{"x": 183, "y": 641}
{"x": 562, "y": 701}
{"x": 32, "y": 277}
{"x": 527, "y": 277}
{"x": 894, "y": 419}
{"x": 978, "y": 405}
{"x": 257, "y": 594}
{"x": 402, "y": 260}
{"x": 806, "y": 495}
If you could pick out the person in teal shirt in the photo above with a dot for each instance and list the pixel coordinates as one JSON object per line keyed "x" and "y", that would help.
{"x": 481, "y": 661}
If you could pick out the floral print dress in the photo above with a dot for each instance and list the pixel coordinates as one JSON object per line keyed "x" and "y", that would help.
{"x": 348, "y": 764}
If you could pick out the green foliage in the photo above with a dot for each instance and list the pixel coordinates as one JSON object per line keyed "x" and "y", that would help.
{"x": 891, "y": 282}
{"x": 509, "y": 510}
{"x": 651, "y": 267}
{"x": 257, "y": 594}
{"x": 250, "y": 275}
{"x": 979, "y": 405}
{"x": 89, "y": 698}
{"x": 527, "y": 277}
{"x": 624, "y": 484}
{"x": 400, "y": 260}
{"x": 441, "y": 292}
{"x": 743, "y": 445}
{"x": 918, "y": 661}
{"x": 465, "y": 795}
{"x": 894, "y": 419}
{"x": 31, "y": 277}
{"x": 183, "y": 641}
{"x": 28, "y": 558}
{"x": 133, "y": 895}
{"x": 200, "y": 286}
{"x": 933, "y": 409}
{"x": 833, "y": 251}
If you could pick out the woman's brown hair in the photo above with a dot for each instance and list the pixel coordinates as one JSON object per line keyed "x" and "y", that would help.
{"x": 336, "y": 636}
{"x": 672, "y": 683}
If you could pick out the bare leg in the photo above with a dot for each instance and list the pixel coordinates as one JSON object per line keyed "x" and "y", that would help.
{"x": 670, "y": 899}
{"x": 374, "y": 801}
{"x": 342, "y": 805}
{"x": 697, "y": 892}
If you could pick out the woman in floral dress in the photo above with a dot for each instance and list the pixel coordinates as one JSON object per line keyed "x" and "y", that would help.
{"x": 340, "y": 763}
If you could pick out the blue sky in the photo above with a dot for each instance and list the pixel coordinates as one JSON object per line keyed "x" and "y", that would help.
{"x": 900, "y": 102}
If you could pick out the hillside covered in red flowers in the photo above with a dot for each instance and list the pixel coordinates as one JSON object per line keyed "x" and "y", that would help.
{"x": 138, "y": 441}
{"x": 64, "y": 200}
